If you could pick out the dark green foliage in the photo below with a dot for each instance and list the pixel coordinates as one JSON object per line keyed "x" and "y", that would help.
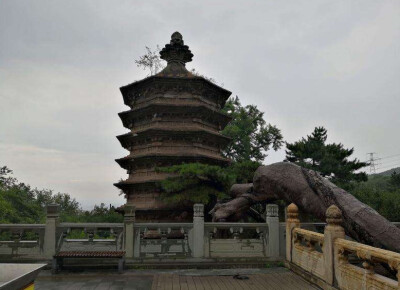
{"x": 251, "y": 135}
{"x": 243, "y": 171}
{"x": 195, "y": 182}
{"x": 395, "y": 179}
{"x": 99, "y": 214}
{"x": 330, "y": 160}
{"x": 380, "y": 193}
{"x": 19, "y": 203}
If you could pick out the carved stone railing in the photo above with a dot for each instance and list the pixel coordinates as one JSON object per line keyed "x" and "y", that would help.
{"x": 307, "y": 251}
{"x": 97, "y": 237}
{"x": 162, "y": 240}
{"x": 23, "y": 241}
{"x": 324, "y": 258}
{"x": 142, "y": 240}
{"x": 351, "y": 275}
{"x": 235, "y": 240}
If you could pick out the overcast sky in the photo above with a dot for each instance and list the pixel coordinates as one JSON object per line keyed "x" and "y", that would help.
{"x": 304, "y": 63}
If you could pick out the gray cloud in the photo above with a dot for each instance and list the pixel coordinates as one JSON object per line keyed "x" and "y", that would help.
{"x": 305, "y": 63}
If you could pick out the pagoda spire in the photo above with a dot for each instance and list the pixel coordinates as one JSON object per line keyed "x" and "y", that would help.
{"x": 177, "y": 55}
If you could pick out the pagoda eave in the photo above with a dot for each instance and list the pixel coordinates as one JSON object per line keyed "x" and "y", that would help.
{"x": 127, "y": 116}
{"x": 124, "y": 139}
{"x": 123, "y": 185}
{"x": 184, "y": 80}
{"x": 126, "y": 161}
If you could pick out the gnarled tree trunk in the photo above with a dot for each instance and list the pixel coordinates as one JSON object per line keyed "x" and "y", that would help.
{"x": 313, "y": 194}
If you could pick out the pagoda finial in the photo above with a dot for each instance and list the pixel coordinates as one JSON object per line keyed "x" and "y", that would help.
{"x": 176, "y": 37}
{"x": 176, "y": 52}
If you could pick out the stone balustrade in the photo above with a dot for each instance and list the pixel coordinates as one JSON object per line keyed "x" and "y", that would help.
{"x": 198, "y": 239}
{"x": 333, "y": 262}
{"x": 22, "y": 240}
{"x": 327, "y": 259}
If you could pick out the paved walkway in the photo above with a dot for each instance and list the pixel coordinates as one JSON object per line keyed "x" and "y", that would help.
{"x": 271, "y": 281}
{"x": 219, "y": 279}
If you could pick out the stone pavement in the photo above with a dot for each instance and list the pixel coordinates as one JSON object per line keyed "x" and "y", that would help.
{"x": 220, "y": 279}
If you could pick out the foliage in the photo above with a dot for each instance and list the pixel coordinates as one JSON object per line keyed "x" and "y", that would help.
{"x": 395, "y": 179}
{"x": 382, "y": 193}
{"x": 196, "y": 73}
{"x": 251, "y": 135}
{"x": 19, "y": 203}
{"x": 330, "y": 160}
{"x": 150, "y": 60}
{"x": 243, "y": 171}
{"x": 195, "y": 182}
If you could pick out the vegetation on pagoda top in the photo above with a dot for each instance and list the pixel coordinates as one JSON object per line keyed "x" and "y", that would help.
{"x": 173, "y": 75}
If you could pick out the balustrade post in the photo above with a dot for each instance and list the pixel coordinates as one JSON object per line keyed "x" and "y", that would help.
{"x": 52, "y": 219}
{"x": 198, "y": 230}
{"x": 291, "y": 223}
{"x": 272, "y": 220}
{"x": 129, "y": 221}
{"x": 333, "y": 230}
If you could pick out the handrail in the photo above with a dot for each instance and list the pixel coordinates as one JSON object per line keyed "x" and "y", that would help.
{"x": 163, "y": 225}
{"x": 91, "y": 225}
{"x": 23, "y": 226}
{"x": 366, "y": 252}
{"x": 237, "y": 225}
{"x": 309, "y": 235}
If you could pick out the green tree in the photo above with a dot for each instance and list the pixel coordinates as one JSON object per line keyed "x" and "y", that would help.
{"x": 19, "y": 203}
{"x": 330, "y": 160}
{"x": 380, "y": 193}
{"x": 251, "y": 136}
{"x": 195, "y": 182}
{"x": 395, "y": 179}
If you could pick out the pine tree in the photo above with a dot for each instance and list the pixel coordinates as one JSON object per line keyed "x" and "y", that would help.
{"x": 330, "y": 160}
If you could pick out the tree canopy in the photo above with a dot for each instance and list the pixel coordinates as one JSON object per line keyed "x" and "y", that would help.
{"x": 19, "y": 203}
{"x": 330, "y": 160}
{"x": 195, "y": 182}
{"x": 382, "y": 193}
{"x": 251, "y": 136}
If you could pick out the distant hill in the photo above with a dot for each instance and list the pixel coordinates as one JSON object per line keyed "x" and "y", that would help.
{"x": 388, "y": 172}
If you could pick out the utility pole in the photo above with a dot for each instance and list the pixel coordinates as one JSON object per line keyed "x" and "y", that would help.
{"x": 371, "y": 161}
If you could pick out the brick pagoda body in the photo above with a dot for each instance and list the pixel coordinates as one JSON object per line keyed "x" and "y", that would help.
{"x": 174, "y": 118}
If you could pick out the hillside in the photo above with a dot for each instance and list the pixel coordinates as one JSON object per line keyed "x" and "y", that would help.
{"x": 388, "y": 172}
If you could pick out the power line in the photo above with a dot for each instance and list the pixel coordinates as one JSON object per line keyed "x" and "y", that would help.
{"x": 389, "y": 156}
{"x": 389, "y": 166}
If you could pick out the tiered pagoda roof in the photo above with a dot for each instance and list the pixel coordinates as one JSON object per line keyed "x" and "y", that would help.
{"x": 174, "y": 118}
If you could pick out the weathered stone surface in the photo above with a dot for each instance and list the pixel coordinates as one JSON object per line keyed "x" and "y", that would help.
{"x": 313, "y": 194}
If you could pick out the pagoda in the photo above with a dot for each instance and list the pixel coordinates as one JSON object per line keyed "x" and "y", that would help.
{"x": 175, "y": 117}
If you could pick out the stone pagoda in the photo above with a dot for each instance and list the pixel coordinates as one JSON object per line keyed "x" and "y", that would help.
{"x": 174, "y": 118}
